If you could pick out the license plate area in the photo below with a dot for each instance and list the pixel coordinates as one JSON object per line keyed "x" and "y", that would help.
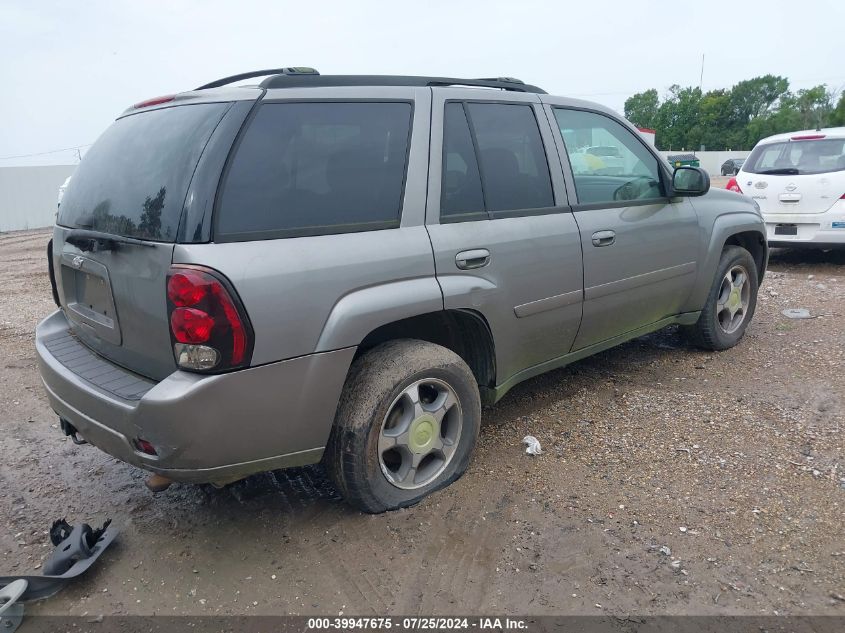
{"x": 786, "y": 229}
{"x": 88, "y": 297}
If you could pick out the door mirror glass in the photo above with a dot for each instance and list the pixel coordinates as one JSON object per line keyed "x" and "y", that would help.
{"x": 690, "y": 181}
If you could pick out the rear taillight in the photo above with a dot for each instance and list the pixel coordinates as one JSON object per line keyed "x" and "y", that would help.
{"x": 733, "y": 185}
{"x": 209, "y": 328}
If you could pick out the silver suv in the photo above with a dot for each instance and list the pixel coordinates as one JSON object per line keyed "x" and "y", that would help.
{"x": 345, "y": 268}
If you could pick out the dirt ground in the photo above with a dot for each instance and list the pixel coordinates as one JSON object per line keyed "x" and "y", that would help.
{"x": 734, "y": 461}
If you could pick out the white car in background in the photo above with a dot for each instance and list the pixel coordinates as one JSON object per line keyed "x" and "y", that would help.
{"x": 600, "y": 159}
{"x": 798, "y": 179}
{"x": 612, "y": 163}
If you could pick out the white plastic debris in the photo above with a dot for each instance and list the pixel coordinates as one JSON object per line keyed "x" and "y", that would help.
{"x": 665, "y": 550}
{"x": 533, "y": 445}
{"x": 797, "y": 313}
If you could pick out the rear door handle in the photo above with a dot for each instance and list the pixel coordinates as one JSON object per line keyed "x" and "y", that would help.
{"x": 476, "y": 258}
{"x": 604, "y": 238}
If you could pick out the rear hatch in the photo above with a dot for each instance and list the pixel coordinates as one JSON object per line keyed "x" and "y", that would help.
{"x": 116, "y": 229}
{"x": 804, "y": 174}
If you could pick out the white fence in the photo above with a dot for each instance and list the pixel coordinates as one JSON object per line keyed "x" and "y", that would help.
{"x": 711, "y": 161}
{"x": 28, "y": 195}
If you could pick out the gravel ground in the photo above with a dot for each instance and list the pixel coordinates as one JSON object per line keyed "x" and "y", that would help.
{"x": 671, "y": 481}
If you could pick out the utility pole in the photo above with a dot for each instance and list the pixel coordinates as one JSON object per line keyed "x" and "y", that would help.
{"x": 701, "y": 89}
{"x": 701, "y": 77}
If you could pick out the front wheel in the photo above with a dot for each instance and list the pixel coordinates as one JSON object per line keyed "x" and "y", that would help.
{"x": 730, "y": 304}
{"x": 407, "y": 422}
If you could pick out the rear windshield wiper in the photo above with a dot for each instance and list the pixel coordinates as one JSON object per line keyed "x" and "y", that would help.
{"x": 783, "y": 171}
{"x": 86, "y": 240}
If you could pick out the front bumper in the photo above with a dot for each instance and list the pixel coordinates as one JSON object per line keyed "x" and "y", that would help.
{"x": 205, "y": 428}
{"x": 816, "y": 230}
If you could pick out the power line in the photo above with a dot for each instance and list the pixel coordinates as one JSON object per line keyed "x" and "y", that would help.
{"x": 54, "y": 151}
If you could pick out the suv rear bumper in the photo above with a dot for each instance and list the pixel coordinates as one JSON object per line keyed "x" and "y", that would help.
{"x": 205, "y": 428}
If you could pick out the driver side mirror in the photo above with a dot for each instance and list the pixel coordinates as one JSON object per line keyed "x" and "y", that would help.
{"x": 690, "y": 181}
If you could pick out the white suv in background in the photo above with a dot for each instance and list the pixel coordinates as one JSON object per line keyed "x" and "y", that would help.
{"x": 798, "y": 179}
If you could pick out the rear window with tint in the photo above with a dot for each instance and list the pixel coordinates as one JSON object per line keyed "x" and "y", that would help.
{"x": 815, "y": 156}
{"x": 316, "y": 168}
{"x": 514, "y": 170}
{"x": 133, "y": 180}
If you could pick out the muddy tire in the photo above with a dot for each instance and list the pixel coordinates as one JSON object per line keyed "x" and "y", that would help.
{"x": 730, "y": 303}
{"x": 406, "y": 424}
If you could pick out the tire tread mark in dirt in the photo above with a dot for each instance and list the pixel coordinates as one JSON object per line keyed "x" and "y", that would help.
{"x": 452, "y": 552}
{"x": 349, "y": 578}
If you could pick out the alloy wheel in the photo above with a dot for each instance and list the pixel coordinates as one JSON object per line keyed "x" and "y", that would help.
{"x": 734, "y": 299}
{"x": 420, "y": 433}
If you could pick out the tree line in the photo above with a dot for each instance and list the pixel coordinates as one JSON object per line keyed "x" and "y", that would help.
{"x": 733, "y": 118}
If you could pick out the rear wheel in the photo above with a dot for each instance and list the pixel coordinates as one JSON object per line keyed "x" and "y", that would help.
{"x": 406, "y": 425}
{"x": 730, "y": 304}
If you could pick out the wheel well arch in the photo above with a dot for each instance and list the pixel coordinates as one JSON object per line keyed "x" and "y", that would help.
{"x": 755, "y": 243}
{"x": 465, "y": 332}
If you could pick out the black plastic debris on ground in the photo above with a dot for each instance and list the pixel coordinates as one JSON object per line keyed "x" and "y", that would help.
{"x": 76, "y": 550}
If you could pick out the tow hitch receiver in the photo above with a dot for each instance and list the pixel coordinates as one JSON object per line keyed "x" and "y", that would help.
{"x": 70, "y": 430}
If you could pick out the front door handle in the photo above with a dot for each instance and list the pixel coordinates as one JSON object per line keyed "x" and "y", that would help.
{"x": 476, "y": 258}
{"x": 604, "y": 238}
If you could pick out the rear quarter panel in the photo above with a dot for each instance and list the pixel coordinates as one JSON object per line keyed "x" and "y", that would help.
{"x": 324, "y": 292}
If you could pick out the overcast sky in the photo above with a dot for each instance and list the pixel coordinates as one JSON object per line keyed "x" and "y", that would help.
{"x": 68, "y": 68}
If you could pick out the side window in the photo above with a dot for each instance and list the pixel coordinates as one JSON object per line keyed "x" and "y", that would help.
{"x": 609, "y": 164}
{"x": 316, "y": 168}
{"x": 514, "y": 170}
{"x": 461, "y": 198}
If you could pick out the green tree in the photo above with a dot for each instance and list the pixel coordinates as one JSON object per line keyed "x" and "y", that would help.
{"x": 837, "y": 116}
{"x": 719, "y": 127}
{"x": 814, "y": 106}
{"x": 756, "y": 97}
{"x": 734, "y": 118}
{"x": 678, "y": 119}
{"x": 641, "y": 108}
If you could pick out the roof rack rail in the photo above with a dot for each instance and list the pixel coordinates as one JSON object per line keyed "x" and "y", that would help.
{"x": 300, "y": 80}
{"x": 510, "y": 80}
{"x": 291, "y": 70}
